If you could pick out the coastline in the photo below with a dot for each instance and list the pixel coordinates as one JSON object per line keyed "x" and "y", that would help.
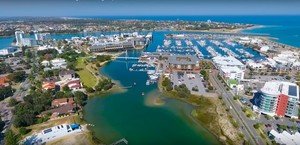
{"x": 207, "y": 112}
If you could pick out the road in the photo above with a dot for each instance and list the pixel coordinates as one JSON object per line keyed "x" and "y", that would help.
{"x": 19, "y": 94}
{"x": 236, "y": 111}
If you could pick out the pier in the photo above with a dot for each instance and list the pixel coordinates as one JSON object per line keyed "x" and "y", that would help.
{"x": 120, "y": 141}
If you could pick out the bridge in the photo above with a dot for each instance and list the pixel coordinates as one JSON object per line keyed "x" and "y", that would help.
{"x": 135, "y": 58}
{"x": 119, "y": 141}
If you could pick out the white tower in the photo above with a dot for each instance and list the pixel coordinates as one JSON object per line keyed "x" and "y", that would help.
{"x": 19, "y": 37}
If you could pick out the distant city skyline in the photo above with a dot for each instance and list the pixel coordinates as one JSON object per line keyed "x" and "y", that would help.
{"x": 146, "y": 7}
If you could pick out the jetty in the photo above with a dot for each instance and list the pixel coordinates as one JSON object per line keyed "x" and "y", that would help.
{"x": 120, "y": 141}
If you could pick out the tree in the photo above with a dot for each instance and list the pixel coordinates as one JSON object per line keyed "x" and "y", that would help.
{"x": 66, "y": 88}
{"x": 169, "y": 87}
{"x": 256, "y": 125}
{"x": 90, "y": 90}
{"x": 5, "y": 68}
{"x": 80, "y": 98}
{"x": 12, "y": 102}
{"x": 2, "y": 124}
{"x": 11, "y": 138}
{"x": 283, "y": 127}
{"x": 5, "y": 92}
{"x": 17, "y": 76}
{"x": 24, "y": 130}
{"x": 166, "y": 82}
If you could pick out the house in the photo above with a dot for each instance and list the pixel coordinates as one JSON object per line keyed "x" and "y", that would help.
{"x": 62, "y": 101}
{"x": 74, "y": 84}
{"x": 48, "y": 85}
{"x": 4, "y": 81}
{"x": 65, "y": 109}
{"x": 66, "y": 75}
{"x": 58, "y": 63}
{"x": 45, "y": 63}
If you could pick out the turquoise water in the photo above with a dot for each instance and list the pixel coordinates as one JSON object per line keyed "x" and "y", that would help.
{"x": 132, "y": 116}
{"x": 286, "y": 34}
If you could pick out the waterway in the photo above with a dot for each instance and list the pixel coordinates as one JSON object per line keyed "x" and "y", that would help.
{"x": 136, "y": 117}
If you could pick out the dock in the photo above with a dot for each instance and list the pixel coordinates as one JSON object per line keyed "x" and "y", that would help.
{"x": 120, "y": 141}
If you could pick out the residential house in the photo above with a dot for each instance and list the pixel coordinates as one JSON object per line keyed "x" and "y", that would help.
{"x": 62, "y": 101}
{"x": 48, "y": 85}
{"x": 66, "y": 75}
{"x": 65, "y": 109}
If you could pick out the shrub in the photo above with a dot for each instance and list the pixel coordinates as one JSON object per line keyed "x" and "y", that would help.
{"x": 256, "y": 126}
{"x": 24, "y": 130}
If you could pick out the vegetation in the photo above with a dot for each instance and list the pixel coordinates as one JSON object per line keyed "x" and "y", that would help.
{"x": 103, "y": 58}
{"x": 17, "y": 76}
{"x": 166, "y": 82}
{"x": 12, "y": 102}
{"x": 268, "y": 117}
{"x": 182, "y": 91}
{"x": 283, "y": 127}
{"x": 5, "y": 68}
{"x": 2, "y": 124}
{"x": 257, "y": 125}
{"x": 5, "y": 92}
{"x": 204, "y": 74}
{"x": 104, "y": 84}
{"x": 24, "y": 130}
{"x": 11, "y": 138}
{"x": 86, "y": 76}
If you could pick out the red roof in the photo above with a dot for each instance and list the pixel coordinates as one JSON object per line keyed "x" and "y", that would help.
{"x": 48, "y": 85}
{"x": 4, "y": 80}
{"x": 62, "y": 101}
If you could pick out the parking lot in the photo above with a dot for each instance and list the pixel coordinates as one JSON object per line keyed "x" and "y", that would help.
{"x": 191, "y": 81}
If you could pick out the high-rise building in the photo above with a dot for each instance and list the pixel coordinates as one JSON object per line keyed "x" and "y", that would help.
{"x": 41, "y": 36}
{"x": 19, "y": 37}
{"x": 280, "y": 99}
{"x": 30, "y": 42}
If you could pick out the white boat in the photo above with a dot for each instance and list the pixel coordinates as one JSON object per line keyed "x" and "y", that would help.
{"x": 148, "y": 83}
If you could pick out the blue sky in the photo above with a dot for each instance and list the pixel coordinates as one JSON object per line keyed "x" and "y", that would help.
{"x": 147, "y": 7}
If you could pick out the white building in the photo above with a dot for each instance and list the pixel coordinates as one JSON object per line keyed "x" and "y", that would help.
{"x": 228, "y": 61}
{"x": 58, "y": 63}
{"x": 264, "y": 48}
{"x": 232, "y": 73}
{"x": 285, "y": 137}
{"x": 7, "y": 51}
{"x": 28, "y": 42}
{"x": 42, "y": 36}
{"x": 45, "y": 63}
{"x": 19, "y": 37}
{"x": 51, "y": 134}
{"x": 280, "y": 99}
{"x": 256, "y": 65}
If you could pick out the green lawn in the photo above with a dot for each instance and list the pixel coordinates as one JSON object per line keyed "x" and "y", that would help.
{"x": 87, "y": 78}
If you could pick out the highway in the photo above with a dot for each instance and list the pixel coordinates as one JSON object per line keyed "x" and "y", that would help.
{"x": 236, "y": 111}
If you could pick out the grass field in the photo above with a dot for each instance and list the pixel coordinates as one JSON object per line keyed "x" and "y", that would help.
{"x": 87, "y": 78}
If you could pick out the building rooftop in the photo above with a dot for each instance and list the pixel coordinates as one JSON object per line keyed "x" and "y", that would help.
{"x": 231, "y": 69}
{"x": 278, "y": 87}
{"x": 66, "y": 72}
{"x": 227, "y": 61}
{"x": 183, "y": 59}
{"x": 60, "y": 102}
{"x": 286, "y": 138}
